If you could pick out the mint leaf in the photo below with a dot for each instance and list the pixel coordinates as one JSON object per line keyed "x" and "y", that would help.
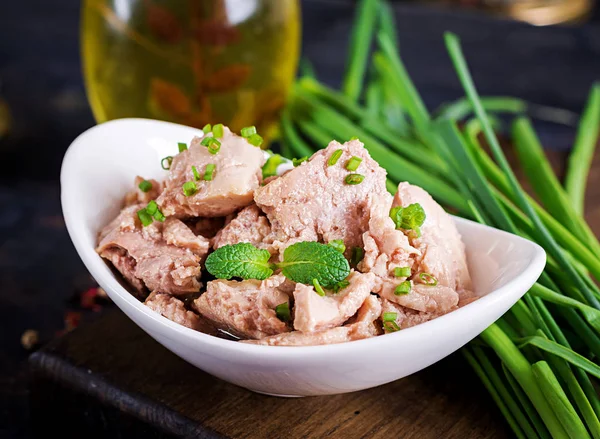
{"x": 239, "y": 260}
{"x": 410, "y": 217}
{"x": 305, "y": 261}
{"x": 270, "y": 167}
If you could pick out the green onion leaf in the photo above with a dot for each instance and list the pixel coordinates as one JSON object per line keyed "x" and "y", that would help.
{"x": 166, "y": 162}
{"x": 152, "y": 207}
{"x": 298, "y": 162}
{"x": 389, "y": 316}
{"x": 402, "y": 272}
{"x": 145, "y": 186}
{"x": 196, "y": 173}
{"x": 403, "y": 288}
{"x": 270, "y": 167}
{"x": 428, "y": 279}
{"x": 357, "y": 255}
{"x": 410, "y": 217}
{"x": 248, "y": 131}
{"x": 338, "y": 244}
{"x": 255, "y": 139}
{"x": 353, "y": 179}
{"x": 209, "y": 171}
{"x": 145, "y": 217}
{"x": 182, "y": 146}
{"x": 218, "y": 130}
{"x": 334, "y": 157}
{"x": 353, "y": 163}
{"x": 206, "y": 129}
{"x": 189, "y": 188}
{"x": 283, "y": 312}
{"x": 389, "y": 321}
{"x": 318, "y": 287}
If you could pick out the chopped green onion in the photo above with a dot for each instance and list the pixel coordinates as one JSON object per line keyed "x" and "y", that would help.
{"x": 209, "y": 171}
{"x": 145, "y": 217}
{"x": 353, "y": 138}
{"x": 152, "y": 207}
{"x": 403, "y": 288}
{"x": 353, "y": 163}
{"x": 357, "y": 255}
{"x": 318, "y": 287}
{"x": 196, "y": 173}
{"x": 338, "y": 244}
{"x": 213, "y": 145}
{"x": 182, "y": 146}
{"x": 189, "y": 188}
{"x": 159, "y": 216}
{"x": 218, "y": 130}
{"x": 354, "y": 179}
{"x": 428, "y": 279}
{"x": 255, "y": 139}
{"x": 166, "y": 162}
{"x": 270, "y": 167}
{"x": 283, "y": 312}
{"x": 389, "y": 321}
{"x": 341, "y": 285}
{"x": 335, "y": 157}
{"x": 206, "y": 128}
{"x": 298, "y": 162}
{"x": 145, "y": 186}
{"x": 248, "y": 131}
{"x": 402, "y": 271}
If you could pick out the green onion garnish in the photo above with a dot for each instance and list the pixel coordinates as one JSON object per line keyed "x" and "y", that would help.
{"x": 298, "y": 162}
{"x": 353, "y": 138}
{"x": 145, "y": 186}
{"x": 182, "y": 146}
{"x": 189, "y": 188}
{"x": 428, "y": 279}
{"x": 389, "y": 321}
{"x": 318, "y": 287}
{"x": 145, "y": 217}
{"x": 334, "y": 157}
{"x": 354, "y": 179}
{"x": 159, "y": 216}
{"x": 338, "y": 244}
{"x": 166, "y": 162}
{"x": 152, "y": 207}
{"x": 389, "y": 316}
{"x": 353, "y": 163}
{"x": 206, "y": 128}
{"x": 402, "y": 271}
{"x": 283, "y": 312}
{"x": 196, "y": 173}
{"x": 248, "y": 131}
{"x": 218, "y": 130}
{"x": 403, "y": 288}
{"x": 213, "y": 145}
{"x": 341, "y": 285}
{"x": 209, "y": 171}
{"x": 255, "y": 139}
{"x": 357, "y": 255}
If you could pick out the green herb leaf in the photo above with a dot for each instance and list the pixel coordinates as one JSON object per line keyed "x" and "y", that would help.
{"x": 270, "y": 167}
{"x": 410, "y": 217}
{"x": 145, "y": 186}
{"x": 239, "y": 260}
{"x": 357, "y": 255}
{"x": 305, "y": 261}
{"x": 340, "y": 285}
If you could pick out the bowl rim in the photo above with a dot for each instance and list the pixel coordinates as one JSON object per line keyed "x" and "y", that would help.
{"x": 95, "y": 264}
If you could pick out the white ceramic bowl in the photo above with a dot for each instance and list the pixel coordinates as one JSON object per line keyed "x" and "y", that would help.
{"x": 99, "y": 168}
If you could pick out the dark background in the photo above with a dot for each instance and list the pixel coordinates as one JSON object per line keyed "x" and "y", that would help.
{"x": 40, "y": 80}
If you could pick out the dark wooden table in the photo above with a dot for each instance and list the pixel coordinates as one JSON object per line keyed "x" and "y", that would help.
{"x": 40, "y": 273}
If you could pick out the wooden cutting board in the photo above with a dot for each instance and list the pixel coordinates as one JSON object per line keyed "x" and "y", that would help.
{"x": 110, "y": 379}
